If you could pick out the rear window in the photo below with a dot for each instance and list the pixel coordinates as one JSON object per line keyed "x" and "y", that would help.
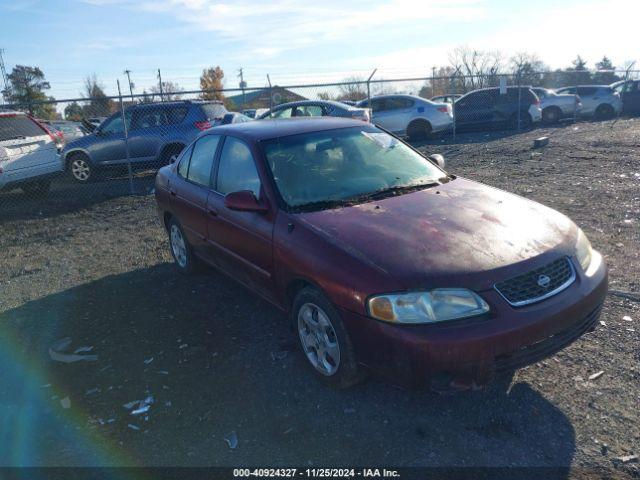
{"x": 213, "y": 110}
{"x": 176, "y": 115}
{"x": 17, "y": 126}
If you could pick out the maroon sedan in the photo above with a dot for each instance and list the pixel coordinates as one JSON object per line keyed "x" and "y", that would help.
{"x": 384, "y": 261}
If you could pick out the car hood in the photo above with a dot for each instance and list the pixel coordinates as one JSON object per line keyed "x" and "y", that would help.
{"x": 461, "y": 233}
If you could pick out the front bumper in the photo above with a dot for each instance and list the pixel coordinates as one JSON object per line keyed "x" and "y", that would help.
{"x": 475, "y": 350}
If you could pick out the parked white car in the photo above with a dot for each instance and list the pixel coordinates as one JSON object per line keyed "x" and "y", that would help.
{"x": 556, "y": 106}
{"x": 28, "y": 154}
{"x": 598, "y": 101}
{"x": 415, "y": 117}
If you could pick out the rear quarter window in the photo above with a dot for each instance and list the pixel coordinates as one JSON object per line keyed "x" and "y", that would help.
{"x": 176, "y": 115}
{"x": 17, "y": 126}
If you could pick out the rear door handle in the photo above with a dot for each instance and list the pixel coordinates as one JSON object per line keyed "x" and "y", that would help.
{"x": 213, "y": 212}
{"x": 172, "y": 192}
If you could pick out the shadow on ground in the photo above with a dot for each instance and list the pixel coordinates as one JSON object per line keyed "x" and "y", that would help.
{"x": 218, "y": 360}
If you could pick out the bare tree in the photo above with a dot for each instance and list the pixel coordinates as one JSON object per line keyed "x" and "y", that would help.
{"x": 526, "y": 68}
{"x": 475, "y": 68}
{"x": 171, "y": 91}
{"x": 354, "y": 89}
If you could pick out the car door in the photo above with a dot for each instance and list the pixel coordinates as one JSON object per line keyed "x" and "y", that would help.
{"x": 241, "y": 242}
{"x": 109, "y": 143}
{"x": 190, "y": 189}
{"x": 148, "y": 126}
{"x": 590, "y": 99}
{"x": 394, "y": 113}
{"x": 631, "y": 97}
{"x": 475, "y": 108}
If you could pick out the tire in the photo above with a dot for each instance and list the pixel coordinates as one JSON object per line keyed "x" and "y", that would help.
{"x": 80, "y": 168}
{"x": 525, "y": 121}
{"x": 186, "y": 262}
{"x": 418, "y": 130}
{"x": 604, "y": 112}
{"x": 551, "y": 115}
{"x": 169, "y": 152}
{"x": 36, "y": 189}
{"x": 323, "y": 340}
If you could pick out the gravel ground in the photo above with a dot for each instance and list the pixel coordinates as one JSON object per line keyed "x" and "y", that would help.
{"x": 219, "y": 362}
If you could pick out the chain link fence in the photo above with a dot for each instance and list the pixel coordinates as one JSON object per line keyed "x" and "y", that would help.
{"x": 100, "y": 148}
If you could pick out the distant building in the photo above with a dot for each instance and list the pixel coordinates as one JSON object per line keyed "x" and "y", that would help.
{"x": 260, "y": 98}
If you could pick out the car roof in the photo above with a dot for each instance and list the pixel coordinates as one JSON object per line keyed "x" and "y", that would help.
{"x": 282, "y": 127}
{"x": 585, "y": 86}
{"x": 313, "y": 102}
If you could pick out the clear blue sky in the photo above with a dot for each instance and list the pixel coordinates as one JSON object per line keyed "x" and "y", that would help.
{"x": 298, "y": 41}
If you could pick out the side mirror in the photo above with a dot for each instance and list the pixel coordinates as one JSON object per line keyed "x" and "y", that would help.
{"x": 244, "y": 201}
{"x": 438, "y": 160}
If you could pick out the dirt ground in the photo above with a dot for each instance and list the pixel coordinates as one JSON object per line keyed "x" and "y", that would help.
{"x": 94, "y": 265}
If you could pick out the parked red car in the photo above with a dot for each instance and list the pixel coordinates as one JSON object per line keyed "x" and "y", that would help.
{"x": 384, "y": 261}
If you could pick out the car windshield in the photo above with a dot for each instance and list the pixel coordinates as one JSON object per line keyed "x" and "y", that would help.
{"x": 327, "y": 169}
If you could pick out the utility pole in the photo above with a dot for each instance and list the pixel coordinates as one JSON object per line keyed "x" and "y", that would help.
{"x": 433, "y": 81}
{"x": 5, "y": 78}
{"x": 243, "y": 85}
{"x": 160, "y": 85}
{"x": 128, "y": 72}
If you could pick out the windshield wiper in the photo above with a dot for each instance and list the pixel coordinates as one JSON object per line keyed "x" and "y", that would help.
{"x": 320, "y": 205}
{"x": 398, "y": 190}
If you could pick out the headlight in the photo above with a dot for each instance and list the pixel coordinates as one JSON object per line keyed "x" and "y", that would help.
{"x": 584, "y": 251}
{"x": 433, "y": 306}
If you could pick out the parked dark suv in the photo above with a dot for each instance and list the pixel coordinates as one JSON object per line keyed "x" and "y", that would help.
{"x": 156, "y": 133}
{"x": 488, "y": 107}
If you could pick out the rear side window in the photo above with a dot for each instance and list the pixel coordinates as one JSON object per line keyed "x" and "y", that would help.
{"x": 201, "y": 162}
{"x": 397, "y": 103}
{"x": 587, "y": 91}
{"x": 148, "y": 118}
{"x": 309, "y": 111}
{"x": 213, "y": 110}
{"x": 17, "y": 126}
{"x": 237, "y": 170}
{"x": 176, "y": 115}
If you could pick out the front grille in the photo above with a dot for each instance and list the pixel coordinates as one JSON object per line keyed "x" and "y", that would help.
{"x": 538, "y": 284}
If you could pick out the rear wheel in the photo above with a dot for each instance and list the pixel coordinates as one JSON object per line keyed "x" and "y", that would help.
{"x": 324, "y": 340}
{"x": 419, "y": 130}
{"x": 525, "y": 121}
{"x": 551, "y": 115}
{"x": 37, "y": 188}
{"x": 185, "y": 260}
{"x": 170, "y": 153}
{"x": 604, "y": 112}
{"x": 80, "y": 168}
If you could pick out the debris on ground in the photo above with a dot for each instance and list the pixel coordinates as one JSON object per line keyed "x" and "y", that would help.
{"x": 627, "y": 458}
{"x": 141, "y": 406}
{"x": 133, "y": 427}
{"x": 65, "y": 402}
{"x": 540, "y": 142}
{"x": 281, "y": 355}
{"x": 148, "y": 361}
{"x": 596, "y": 375}
{"x": 58, "y": 349}
{"x": 232, "y": 440}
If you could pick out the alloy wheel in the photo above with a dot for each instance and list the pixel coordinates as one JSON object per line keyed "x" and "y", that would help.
{"x": 318, "y": 338}
{"x": 80, "y": 169}
{"x": 178, "y": 246}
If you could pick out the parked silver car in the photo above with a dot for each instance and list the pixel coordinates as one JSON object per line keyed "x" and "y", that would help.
{"x": 28, "y": 154}
{"x": 415, "y": 117}
{"x": 317, "y": 108}
{"x": 556, "y": 106}
{"x": 598, "y": 101}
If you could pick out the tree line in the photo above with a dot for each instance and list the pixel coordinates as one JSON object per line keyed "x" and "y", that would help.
{"x": 468, "y": 69}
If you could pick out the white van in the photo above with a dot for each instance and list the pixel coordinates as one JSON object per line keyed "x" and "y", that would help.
{"x": 28, "y": 154}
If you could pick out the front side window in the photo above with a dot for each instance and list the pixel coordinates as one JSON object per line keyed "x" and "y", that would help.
{"x": 282, "y": 113}
{"x": 319, "y": 169}
{"x": 237, "y": 170}
{"x": 202, "y": 157}
{"x": 115, "y": 124}
{"x": 183, "y": 166}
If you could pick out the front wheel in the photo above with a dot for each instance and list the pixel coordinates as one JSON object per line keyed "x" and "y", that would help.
{"x": 80, "y": 168}
{"x": 324, "y": 340}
